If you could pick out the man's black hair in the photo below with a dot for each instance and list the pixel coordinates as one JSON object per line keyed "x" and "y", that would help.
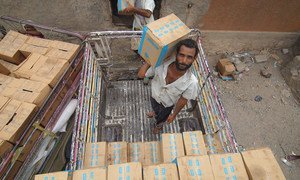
{"x": 190, "y": 43}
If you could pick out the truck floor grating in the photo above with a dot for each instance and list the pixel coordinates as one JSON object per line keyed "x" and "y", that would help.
{"x": 127, "y": 103}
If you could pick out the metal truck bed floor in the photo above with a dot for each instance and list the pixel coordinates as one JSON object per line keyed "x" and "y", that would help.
{"x": 126, "y": 106}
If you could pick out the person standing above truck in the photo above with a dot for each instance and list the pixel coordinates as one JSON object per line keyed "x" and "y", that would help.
{"x": 173, "y": 83}
{"x": 143, "y": 13}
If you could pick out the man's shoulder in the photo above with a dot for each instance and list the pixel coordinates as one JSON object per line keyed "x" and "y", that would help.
{"x": 193, "y": 78}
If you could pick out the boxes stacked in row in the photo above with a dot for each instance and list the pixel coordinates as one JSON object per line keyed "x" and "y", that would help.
{"x": 29, "y": 68}
{"x": 177, "y": 156}
{"x": 34, "y": 58}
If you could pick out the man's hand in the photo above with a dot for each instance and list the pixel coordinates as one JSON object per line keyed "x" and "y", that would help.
{"x": 171, "y": 118}
{"x": 130, "y": 8}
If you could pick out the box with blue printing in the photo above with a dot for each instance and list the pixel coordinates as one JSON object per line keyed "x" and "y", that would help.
{"x": 126, "y": 171}
{"x": 122, "y": 4}
{"x": 95, "y": 155}
{"x": 160, "y": 172}
{"x": 160, "y": 37}
{"x": 116, "y": 153}
{"x": 147, "y": 153}
{"x": 55, "y": 175}
{"x": 93, "y": 173}
{"x": 194, "y": 143}
{"x": 172, "y": 147}
{"x": 194, "y": 167}
{"x": 228, "y": 166}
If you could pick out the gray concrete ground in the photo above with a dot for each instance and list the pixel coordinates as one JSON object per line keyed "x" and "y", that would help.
{"x": 273, "y": 122}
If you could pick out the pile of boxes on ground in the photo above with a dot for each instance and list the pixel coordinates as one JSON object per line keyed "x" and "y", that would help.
{"x": 176, "y": 156}
{"x": 29, "y": 68}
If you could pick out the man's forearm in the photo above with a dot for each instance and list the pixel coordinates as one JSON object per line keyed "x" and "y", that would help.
{"x": 179, "y": 105}
{"x": 143, "y": 12}
{"x": 143, "y": 70}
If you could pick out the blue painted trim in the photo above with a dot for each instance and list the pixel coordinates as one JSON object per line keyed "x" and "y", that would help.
{"x": 120, "y": 5}
{"x": 145, "y": 29}
{"x": 162, "y": 55}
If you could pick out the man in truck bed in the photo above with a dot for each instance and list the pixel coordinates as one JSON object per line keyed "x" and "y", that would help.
{"x": 173, "y": 83}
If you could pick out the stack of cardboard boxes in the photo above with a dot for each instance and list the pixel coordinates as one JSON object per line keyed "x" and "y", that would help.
{"x": 177, "y": 156}
{"x": 29, "y": 68}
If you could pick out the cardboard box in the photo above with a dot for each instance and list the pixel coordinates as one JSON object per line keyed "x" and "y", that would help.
{"x": 32, "y": 64}
{"x": 160, "y": 172}
{"x": 14, "y": 116}
{"x": 35, "y": 45}
{"x": 4, "y": 70}
{"x": 94, "y": 173}
{"x": 136, "y": 152}
{"x": 131, "y": 170}
{"x": 9, "y": 66}
{"x": 55, "y": 175}
{"x": 117, "y": 153}
{"x": 213, "y": 144}
{"x": 122, "y": 4}
{"x": 160, "y": 37}
{"x": 4, "y": 81}
{"x": 194, "y": 143}
{"x": 95, "y": 155}
{"x": 194, "y": 167}
{"x": 225, "y": 67}
{"x": 27, "y": 147}
{"x": 261, "y": 164}
{"x": 153, "y": 154}
{"x": 5, "y": 148}
{"x": 226, "y": 166}
{"x": 41, "y": 68}
{"x": 62, "y": 50}
{"x": 172, "y": 147}
{"x": 27, "y": 91}
{"x": 10, "y": 45}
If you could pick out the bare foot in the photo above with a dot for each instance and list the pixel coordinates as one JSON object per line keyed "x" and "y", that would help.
{"x": 150, "y": 114}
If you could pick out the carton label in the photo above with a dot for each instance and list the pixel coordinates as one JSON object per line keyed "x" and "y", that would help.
{"x": 94, "y": 155}
{"x": 162, "y": 174}
{"x": 136, "y": 153}
{"x": 154, "y": 152}
{"x": 228, "y": 167}
{"x": 172, "y": 147}
{"x": 124, "y": 172}
{"x": 117, "y": 153}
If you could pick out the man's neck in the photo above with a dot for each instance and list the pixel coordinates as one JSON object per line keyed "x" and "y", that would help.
{"x": 176, "y": 71}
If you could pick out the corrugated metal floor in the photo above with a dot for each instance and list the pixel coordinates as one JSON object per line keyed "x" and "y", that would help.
{"x": 127, "y": 103}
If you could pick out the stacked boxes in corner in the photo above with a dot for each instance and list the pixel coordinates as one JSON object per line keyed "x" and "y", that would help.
{"x": 160, "y": 37}
{"x": 35, "y": 45}
{"x": 27, "y": 91}
{"x": 10, "y": 45}
{"x": 14, "y": 118}
{"x": 42, "y": 69}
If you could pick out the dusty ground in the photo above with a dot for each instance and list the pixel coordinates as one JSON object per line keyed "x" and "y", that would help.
{"x": 273, "y": 122}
